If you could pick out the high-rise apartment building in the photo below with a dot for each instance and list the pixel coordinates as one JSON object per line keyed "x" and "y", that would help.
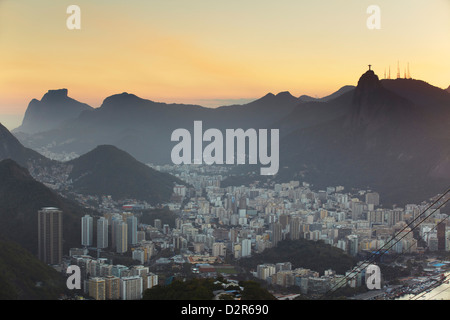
{"x": 284, "y": 220}
{"x": 294, "y": 229}
{"x": 218, "y": 249}
{"x": 131, "y": 288}
{"x": 265, "y": 270}
{"x": 50, "y": 235}
{"x": 441, "y": 236}
{"x": 152, "y": 280}
{"x": 277, "y": 233}
{"x": 97, "y": 288}
{"x": 246, "y": 248}
{"x": 87, "y": 230}
{"x": 132, "y": 230}
{"x": 394, "y": 216}
{"x": 353, "y": 244}
{"x": 373, "y": 198}
{"x": 112, "y": 285}
{"x": 358, "y": 209}
{"x": 121, "y": 237}
{"x": 102, "y": 233}
{"x": 115, "y": 220}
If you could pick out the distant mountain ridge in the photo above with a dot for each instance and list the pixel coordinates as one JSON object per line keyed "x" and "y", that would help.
{"x": 341, "y": 91}
{"x": 361, "y": 135}
{"x": 50, "y": 112}
{"x": 11, "y": 148}
{"x": 106, "y": 170}
{"x": 131, "y": 123}
{"x": 381, "y": 140}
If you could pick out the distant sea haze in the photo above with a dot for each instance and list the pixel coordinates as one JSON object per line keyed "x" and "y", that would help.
{"x": 215, "y": 103}
{"x": 11, "y": 121}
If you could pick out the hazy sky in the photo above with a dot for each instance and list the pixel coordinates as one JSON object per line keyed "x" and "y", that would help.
{"x": 197, "y": 51}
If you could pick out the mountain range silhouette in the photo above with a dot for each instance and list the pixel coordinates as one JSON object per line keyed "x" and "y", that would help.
{"x": 388, "y": 135}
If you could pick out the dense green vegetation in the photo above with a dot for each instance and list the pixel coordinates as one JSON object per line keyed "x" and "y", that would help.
{"x": 314, "y": 255}
{"x": 240, "y": 180}
{"x": 164, "y": 214}
{"x": 391, "y": 273}
{"x": 254, "y": 291}
{"x": 11, "y": 148}
{"x": 20, "y": 199}
{"x": 24, "y": 277}
{"x": 107, "y": 170}
{"x": 202, "y": 289}
{"x": 194, "y": 289}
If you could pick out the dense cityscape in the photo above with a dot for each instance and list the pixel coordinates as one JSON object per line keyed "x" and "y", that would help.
{"x": 206, "y": 231}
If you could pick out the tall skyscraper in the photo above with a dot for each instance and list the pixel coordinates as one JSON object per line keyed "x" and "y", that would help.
{"x": 441, "y": 236}
{"x": 357, "y": 210}
{"x": 353, "y": 244}
{"x": 277, "y": 233}
{"x": 294, "y": 229}
{"x": 87, "y": 230}
{"x": 115, "y": 220}
{"x": 284, "y": 220}
{"x": 102, "y": 233}
{"x": 50, "y": 235}
{"x": 121, "y": 229}
{"x": 246, "y": 248}
{"x": 132, "y": 230}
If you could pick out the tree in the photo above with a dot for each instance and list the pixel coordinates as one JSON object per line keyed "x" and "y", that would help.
{"x": 254, "y": 291}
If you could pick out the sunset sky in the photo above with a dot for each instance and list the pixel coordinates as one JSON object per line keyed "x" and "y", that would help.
{"x": 212, "y": 52}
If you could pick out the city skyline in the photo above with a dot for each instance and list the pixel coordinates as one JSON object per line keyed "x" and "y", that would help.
{"x": 251, "y": 227}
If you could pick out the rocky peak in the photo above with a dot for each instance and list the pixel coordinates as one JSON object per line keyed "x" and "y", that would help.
{"x": 368, "y": 85}
{"x": 55, "y": 94}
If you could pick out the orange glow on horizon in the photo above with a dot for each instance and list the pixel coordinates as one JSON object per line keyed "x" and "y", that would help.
{"x": 204, "y": 52}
